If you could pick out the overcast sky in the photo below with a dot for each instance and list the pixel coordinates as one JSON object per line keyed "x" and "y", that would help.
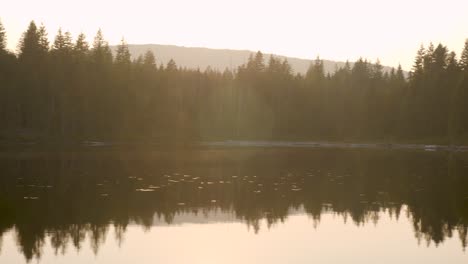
{"x": 334, "y": 29}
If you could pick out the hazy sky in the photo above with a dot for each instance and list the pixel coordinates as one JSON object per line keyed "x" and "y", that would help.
{"x": 334, "y": 29}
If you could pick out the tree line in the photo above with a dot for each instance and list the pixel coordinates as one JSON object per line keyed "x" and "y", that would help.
{"x": 70, "y": 90}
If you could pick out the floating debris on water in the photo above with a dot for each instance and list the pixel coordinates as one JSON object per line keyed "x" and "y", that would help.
{"x": 144, "y": 190}
{"x": 31, "y": 197}
{"x": 296, "y": 189}
{"x": 104, "y": 194}
{"x": 181, "y": 204}
{"x": 153, "y": 187}
{"x": 213, "y": 201}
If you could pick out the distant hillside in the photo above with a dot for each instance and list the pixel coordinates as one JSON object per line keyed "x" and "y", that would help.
{"x": 219, "y": 59}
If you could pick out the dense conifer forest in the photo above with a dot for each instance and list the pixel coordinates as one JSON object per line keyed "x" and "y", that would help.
{"x": 70, "y": 90}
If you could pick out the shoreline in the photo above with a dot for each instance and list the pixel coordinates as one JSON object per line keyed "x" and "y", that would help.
{"x": 233, "y": 144}
{"x": 326, "y": 144}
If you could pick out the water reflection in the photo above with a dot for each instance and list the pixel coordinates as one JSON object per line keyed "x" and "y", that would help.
{"x": 72, "y": 196}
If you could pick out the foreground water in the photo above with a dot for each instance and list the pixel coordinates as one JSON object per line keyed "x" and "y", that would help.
{"x": 233, "y": 205}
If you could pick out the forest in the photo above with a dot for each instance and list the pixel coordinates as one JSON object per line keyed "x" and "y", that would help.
{"x": 70, "y": 90}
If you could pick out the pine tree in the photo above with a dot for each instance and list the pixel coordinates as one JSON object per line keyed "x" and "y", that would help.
{"x": 258, "y": 62}
{"x": 377, "y": 70}
{"x": 171, "y": 66}
{"x": 464, "y": 57}
{"x": 34, "y": 46}
{"x": 428, "y": 59}
{"x": 29, "y": 43}
{"x": 63, "y": 43}
{"x": 101, "y": 53}
{"x": 400, "y": 77}
{"x": 418, "y": 66}
{"x": 452, "y": 64}
{"x": 2, "y": 38}
{"x": 81, "y": 45}
{"x": 149, "y": 60}
{"x": 43, "y": 40}
{"x": 316, "y": 72}
{"x": 122, "y": 56}
{"x": 439, "y": 57}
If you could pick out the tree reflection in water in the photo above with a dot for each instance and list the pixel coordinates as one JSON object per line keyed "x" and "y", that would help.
{"x": 70, "y": 196}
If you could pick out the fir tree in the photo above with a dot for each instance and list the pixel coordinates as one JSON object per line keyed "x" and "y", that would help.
{"x": 2, "y": 38}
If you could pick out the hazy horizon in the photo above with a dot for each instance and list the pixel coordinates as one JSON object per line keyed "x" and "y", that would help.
{"x": 335, "y": 30}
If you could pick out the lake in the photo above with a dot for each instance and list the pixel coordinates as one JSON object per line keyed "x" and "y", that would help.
{"x": 233, "y": 205}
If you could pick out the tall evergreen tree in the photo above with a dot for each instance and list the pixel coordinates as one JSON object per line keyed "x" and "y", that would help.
{"x": 171, "y": 66}
{"x": 418, "y": 66}
{"x": 62, "y": 44}
{"x": 2, "y": 38}
{"x": 29, "y": 44}
{"x": 122, "y": 56}
{"x": 149, "y": 60}
{"x": 464, "y": 57}
{"x": 43, "y": 39}
{"x": 101, "y": 53}
{"x": 81, "y": 45}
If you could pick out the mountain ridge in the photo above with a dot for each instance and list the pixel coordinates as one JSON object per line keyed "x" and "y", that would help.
{"x": 221, "y": 59}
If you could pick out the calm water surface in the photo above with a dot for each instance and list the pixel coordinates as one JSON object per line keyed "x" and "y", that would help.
{"x": 233, "y": 205}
